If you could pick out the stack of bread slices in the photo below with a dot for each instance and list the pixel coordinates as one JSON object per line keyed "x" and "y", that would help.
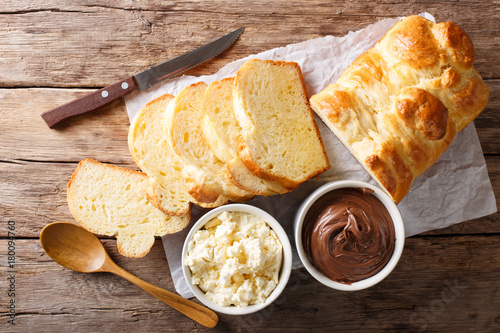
{"x": 252, "y": 134}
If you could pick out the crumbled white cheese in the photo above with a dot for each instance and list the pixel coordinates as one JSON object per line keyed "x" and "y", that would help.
{"x": 235, "y": 259}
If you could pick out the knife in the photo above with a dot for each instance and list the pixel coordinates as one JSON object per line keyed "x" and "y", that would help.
{"x": 140, "y": 81}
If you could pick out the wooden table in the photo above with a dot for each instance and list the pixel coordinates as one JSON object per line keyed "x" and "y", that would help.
{"x": 53, "y": 51}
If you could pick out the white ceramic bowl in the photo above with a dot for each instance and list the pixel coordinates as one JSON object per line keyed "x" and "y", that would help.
{"x": 286, "y": 266}
{"x": 398, "y": 228}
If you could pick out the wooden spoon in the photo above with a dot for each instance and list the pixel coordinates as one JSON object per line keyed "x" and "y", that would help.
{"x": 75, "y": 248}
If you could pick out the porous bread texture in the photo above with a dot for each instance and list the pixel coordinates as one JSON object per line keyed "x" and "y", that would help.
{"x": 109, "y": 200}
{"x": 398, "y": 106}
{"x": 151, "y": 151}
{"x": 280, "y": 139}
{"x": 223, "y": 134}
{"x": 203, "y": 173}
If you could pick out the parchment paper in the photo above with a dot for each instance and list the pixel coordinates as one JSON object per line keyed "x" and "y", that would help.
{"x": 455, "y": 189}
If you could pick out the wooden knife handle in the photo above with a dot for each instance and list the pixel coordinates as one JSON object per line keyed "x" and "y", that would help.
{"x": 90, "y": 102}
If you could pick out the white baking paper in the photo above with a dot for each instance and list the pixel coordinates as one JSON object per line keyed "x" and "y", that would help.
{"x": 455, "y": 189}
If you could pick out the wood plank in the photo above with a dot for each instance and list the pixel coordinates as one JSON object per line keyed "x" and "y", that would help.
{"x": 86, "y": 302}
{"x": 43, "y": 160}
{"x": 447, "y": 280}
{"x": 488, "y": 122}
{"x": 34, "y": 195}
{"x": 440, "y": 284}
{"x": 294, "y": 7}
{"x": 102, "y": 134}
{"x": 87, "y": 44}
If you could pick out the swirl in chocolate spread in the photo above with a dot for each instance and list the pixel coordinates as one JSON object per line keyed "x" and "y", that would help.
{"x": 348, "y": 235}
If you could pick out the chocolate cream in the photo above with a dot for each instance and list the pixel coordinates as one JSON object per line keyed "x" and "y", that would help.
{"x": 348, "y": 235}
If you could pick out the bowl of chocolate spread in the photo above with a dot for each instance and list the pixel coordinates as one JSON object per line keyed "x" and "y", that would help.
{"x": 349, "y": 235}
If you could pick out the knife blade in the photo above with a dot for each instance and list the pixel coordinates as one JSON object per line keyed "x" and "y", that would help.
{"x": 140, "y": 81}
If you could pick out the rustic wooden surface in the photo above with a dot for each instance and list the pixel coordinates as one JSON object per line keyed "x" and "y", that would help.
{"x": 55, "y": 50}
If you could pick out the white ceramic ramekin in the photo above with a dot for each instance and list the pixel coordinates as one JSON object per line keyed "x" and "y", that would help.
{"x": 286, "y": 266}
{"x": 398, "y": 228}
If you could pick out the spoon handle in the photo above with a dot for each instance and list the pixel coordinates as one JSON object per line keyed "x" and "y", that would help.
{"x": 198, "y": 313}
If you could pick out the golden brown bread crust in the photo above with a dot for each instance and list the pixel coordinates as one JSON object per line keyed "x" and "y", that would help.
{"x": 154, "y": 196}
{"x": 82, "y": 163}
{"x": 252, "y": 163}
{"x": 100, "y": 203}
{"x": 421, "y": 110}
{"x": 398, "y": 106}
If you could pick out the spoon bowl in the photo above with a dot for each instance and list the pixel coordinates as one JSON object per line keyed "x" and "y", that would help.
{"x": 75, "y": 248}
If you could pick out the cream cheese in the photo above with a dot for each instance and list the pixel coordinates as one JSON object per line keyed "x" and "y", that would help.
{"x": 235, "y": 259}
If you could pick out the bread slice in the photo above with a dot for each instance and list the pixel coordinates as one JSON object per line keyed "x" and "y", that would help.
{"x": 280, "y": 139}
{"x": 109, "y": 200}
{"x": 203, "y": 172}
{"x": 151, "y": 151}
{"x": 223, "y": 135}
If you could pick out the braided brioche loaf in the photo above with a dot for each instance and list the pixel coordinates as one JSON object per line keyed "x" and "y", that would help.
{"x": 399, "y": 105}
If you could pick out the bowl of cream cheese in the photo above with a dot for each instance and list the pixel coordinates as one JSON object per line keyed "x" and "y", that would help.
{"x": 237, "y": 259}
{"x": 349, "y": 235}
